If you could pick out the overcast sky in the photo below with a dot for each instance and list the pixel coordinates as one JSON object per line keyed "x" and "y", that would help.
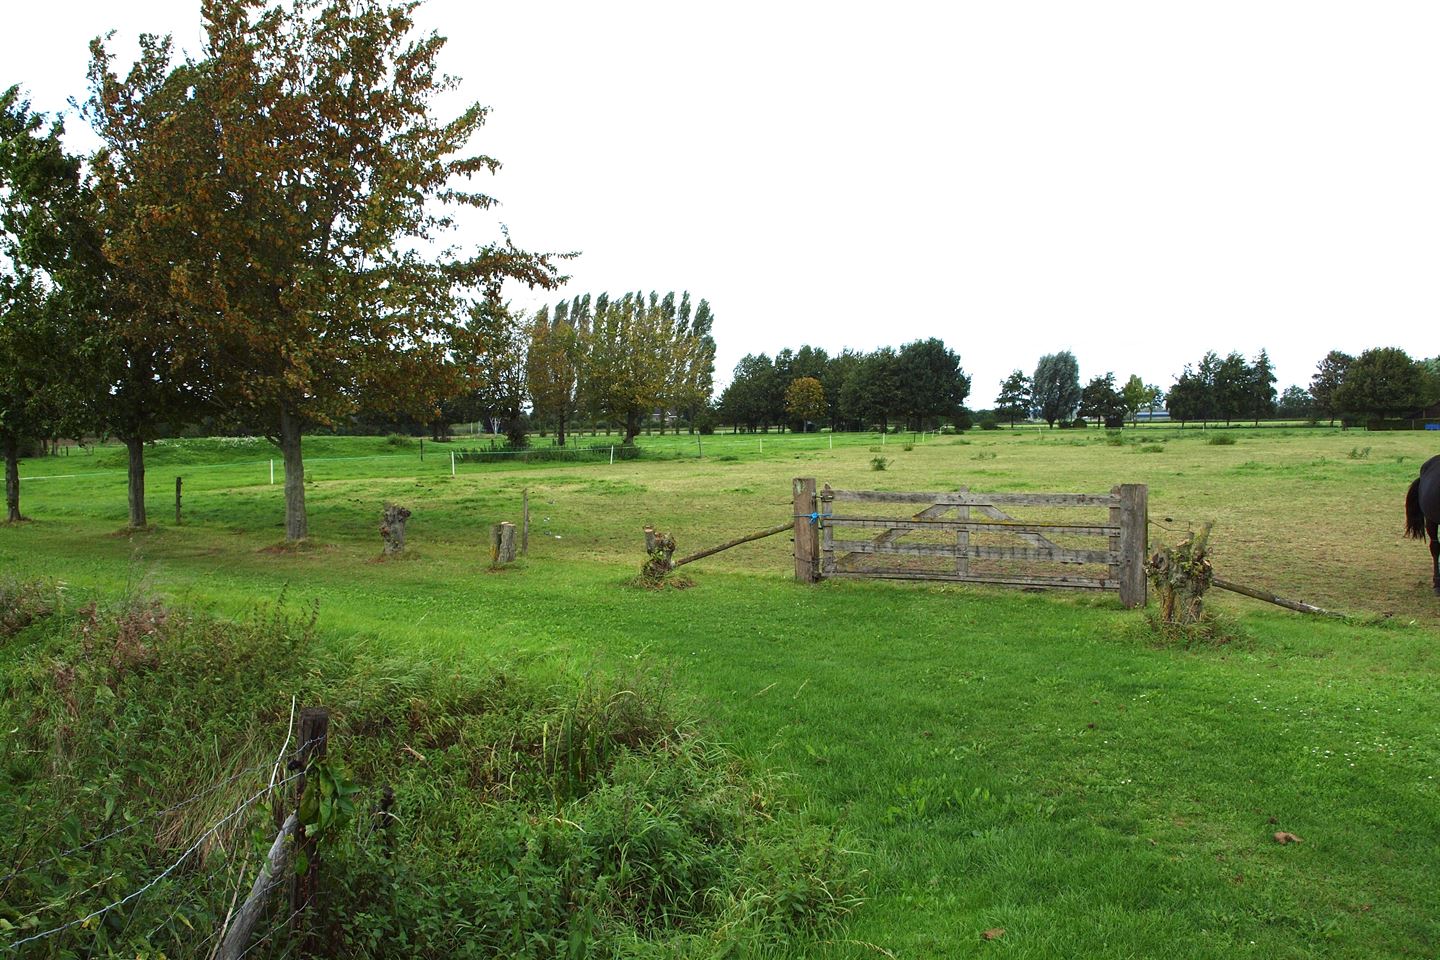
{"x": 1137, "y": 182}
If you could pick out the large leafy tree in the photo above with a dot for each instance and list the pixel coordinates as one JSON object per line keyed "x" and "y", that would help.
{"x": 871, "y": 393}
{"x": 1100, "y": 401}
{"x": 1260, "y": 388}
{"x": 1329, "y": 375}
{"x": 47, "y": 259}
{"x": 805, "y": 401}
{"x": 320, "y": 181}
{"x": 1135, "y": 394}
{"x": 157, "y": 146}
{"x": 1056, "y": 386}
{"x": 1188, "y": 398}
{"x": 1231, "y": 386}
{"x": 932, "y": 385}
{"x": 1014, "y": 401}
{"x": 1383, "y": 382}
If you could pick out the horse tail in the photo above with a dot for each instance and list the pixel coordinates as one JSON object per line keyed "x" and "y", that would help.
{"x": 1414, "y": 516}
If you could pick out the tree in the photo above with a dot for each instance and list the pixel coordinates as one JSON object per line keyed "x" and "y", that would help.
{"x": 805, "y": 401}
{"x": 932, "y": 385}
{"x": 1013, "y": 403}
{"x": 1187, "y": 398}
{"x": 1100, "y": 401}
{"x": 1232, "y": 388}
{"x": 1056, "y": 387}
{"x": 1329, "y": 375}
{"x": 743, "y": 401}
{"x": 320, "y": 179}
{"x": 1296, "y": 403}
{"x": 1260, "y": 388}
{"x": 871, "y": 393}
{"x": 1135, "y": 394}
{"x": 552, "y": 367}
{"x": 159, "y": 367}
{"x": 1154, "y": 398}
{"x": 47, "y": 257}
{"x": 1382, "y": 382}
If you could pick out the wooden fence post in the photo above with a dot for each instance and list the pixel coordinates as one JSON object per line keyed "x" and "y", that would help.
{"x": 1134, "y": 517}
{"x": 177, "y": 501}
{"x": 314, "y": 733}
{"x": 807, "y": 530}
{"x": 525, "y": 522}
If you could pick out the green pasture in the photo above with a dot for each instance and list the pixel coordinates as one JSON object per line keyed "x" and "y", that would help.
{"x": 1031, "y": 762}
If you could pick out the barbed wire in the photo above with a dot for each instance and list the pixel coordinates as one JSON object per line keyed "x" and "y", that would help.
{"x": 211, "y": 831}
{"x": 208, "y": 791}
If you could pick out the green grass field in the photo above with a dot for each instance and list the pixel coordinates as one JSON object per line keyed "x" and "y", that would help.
{"x": 1031, "y": 762}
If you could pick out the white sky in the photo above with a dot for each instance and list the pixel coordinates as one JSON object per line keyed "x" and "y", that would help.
{"x": 1135, "y": 181}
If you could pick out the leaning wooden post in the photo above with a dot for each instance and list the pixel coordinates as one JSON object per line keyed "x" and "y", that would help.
{"x": 177, "y": 501}
{"x": 314, "y": 733}
{"x": 1133, "y": 515}
{"x": 807, "y": 530}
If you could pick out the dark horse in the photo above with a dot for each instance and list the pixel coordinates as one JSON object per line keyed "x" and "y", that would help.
{"x": 1422, "y": 513}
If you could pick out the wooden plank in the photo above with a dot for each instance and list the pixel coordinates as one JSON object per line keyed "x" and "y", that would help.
{"x": 827, "y": 532}
{"x": 976, "y": 526}
{"x": 1068, "y": 583}
{"x": 807, "y": 531}
{"x": 1134, "y": 543}
{"x": 962, "y": 537}
{"x": 981, "y": 499}
{"x": 1030, "y": 554}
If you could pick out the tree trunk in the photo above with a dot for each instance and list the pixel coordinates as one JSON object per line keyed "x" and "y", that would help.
{"x": 632, "y": 427}
{"x": 12, "y": 480}
{"x": 560, "y": 431}
{"x": 135, "y": 448}
{"x": 296, "y": 525}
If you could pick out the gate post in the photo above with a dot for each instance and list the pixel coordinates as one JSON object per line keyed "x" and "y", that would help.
{"x": 1134, "y": 513}
{"x": 807, "y": 531}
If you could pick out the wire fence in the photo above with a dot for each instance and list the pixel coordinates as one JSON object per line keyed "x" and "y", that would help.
{"x": 92, "y": 917}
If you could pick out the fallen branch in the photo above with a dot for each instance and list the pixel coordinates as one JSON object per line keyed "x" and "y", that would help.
{"x": 272, "y": 873}
{"x": 780, "y": 528}
{"x": 1271, "y": 598}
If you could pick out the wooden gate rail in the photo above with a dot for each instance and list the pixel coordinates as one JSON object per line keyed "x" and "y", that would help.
{"x": 1126, "y": 532}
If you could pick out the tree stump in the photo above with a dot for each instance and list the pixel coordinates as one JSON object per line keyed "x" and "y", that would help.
{"x": 392, "y": 529}
{"x": 1181, "y": 575}
{"x": 502, "y": 544}
{"x": 659, "y": 551}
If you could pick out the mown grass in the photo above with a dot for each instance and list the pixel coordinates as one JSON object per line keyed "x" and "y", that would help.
{"x": 1030, "y": 762}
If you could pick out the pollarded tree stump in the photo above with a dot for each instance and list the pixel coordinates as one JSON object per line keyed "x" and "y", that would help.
{"x": 1180, "y": 576}
{"x": 659, "y": 553}
{"x": 502, "y": 544}
{"x": 392, "y": 528}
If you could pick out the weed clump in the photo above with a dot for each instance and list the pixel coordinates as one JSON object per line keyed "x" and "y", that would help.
{"x": 1152, "y": 448}
{"x": 1220, "y": 440}
{"x": 879, "y": 463}
{"x": 1359, "y": 453}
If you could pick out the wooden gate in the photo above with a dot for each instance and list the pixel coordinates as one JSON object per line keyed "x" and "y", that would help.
{"x": 1068, "y": 540}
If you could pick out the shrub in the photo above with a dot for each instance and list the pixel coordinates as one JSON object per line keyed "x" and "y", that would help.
{"x": 879, "y": 463}
{"x": 1220, "y": 440}
{"x": 908, "y": 447}
{"x": 1115, "y": 438}
{"x": 396, "y": 440}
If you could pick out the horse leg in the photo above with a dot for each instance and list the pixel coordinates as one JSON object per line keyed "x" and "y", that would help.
{"x": 1432, "y": 527}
